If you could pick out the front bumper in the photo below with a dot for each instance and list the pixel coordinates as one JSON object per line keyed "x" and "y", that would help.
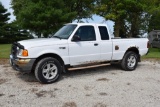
{"x": 21, "y": 64}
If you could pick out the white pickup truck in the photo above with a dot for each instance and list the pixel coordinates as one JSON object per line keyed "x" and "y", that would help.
{"x": 75, "y": 44}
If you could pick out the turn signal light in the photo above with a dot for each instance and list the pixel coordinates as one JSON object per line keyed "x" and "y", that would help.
{"x": 24, "y": 53}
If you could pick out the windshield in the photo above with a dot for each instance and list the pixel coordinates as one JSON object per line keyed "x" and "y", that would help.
{"x": 65, "y": 31}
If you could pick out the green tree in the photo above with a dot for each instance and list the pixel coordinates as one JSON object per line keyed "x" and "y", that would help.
{"x": 130, "y": 16}
{"x": 112, "y": 10}
{"x": 82, "y": 8}
{"x": 16, "y": 33}
{"x": 39, "y": 16}
{"x": 4, "y": 17}
{"x": 44, "y": 17}
{"x": 154, "y": 21}
{"x": 141, "y": 15}
{"x": 10, "y": 32}
{"x": 134, "y": 15}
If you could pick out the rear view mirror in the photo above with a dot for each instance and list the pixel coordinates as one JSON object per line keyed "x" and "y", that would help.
{"x": 76, "y": 38}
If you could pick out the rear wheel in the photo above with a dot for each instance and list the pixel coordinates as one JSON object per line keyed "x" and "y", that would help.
{"x": 129, "y": 61}
{"x": 48, "y": 70}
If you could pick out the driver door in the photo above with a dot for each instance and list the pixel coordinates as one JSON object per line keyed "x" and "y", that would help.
{"x": 85, "y": 50}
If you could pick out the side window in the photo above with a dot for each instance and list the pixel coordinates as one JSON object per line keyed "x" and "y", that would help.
{"x": 86, "y": 33}
{"x": 103, "y": 32}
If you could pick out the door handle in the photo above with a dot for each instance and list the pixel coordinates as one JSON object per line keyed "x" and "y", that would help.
{"x": 95, "y": 44}
{"x": 62, "y": 47}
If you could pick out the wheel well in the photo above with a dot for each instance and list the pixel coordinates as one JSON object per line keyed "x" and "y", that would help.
{"x": 134, "y": 49}
{"x": 47, "y": 55}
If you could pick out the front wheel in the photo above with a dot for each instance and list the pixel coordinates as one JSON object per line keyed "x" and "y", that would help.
{"x": 129, "y": 61}
{"x": 48, "y": 70}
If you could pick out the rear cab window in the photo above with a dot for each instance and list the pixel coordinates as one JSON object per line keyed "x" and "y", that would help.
{"x": 103, "y": 32}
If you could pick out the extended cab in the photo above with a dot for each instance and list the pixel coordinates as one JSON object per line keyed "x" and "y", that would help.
{"x": 75, "y": 44}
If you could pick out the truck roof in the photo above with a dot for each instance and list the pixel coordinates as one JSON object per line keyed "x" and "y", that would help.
{"x": 89, "y": 24}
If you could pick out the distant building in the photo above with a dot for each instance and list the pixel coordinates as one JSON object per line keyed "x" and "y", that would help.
{"x": 153, "y": 34}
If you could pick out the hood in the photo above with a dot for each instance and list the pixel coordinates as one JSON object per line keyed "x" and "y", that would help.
{"x": 30, "y": 43}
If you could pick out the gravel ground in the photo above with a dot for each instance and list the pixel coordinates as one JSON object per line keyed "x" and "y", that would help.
{"x": 106, "y": 86}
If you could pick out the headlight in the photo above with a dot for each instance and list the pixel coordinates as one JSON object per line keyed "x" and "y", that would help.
{"x": 22, "y": 52}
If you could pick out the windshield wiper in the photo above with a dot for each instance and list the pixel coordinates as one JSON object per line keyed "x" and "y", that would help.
{"x": 57, "y": 37}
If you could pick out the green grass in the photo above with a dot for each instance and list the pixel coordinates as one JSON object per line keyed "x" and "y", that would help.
{"x": 5, "y": 50}
{"x": 153, "y": 53}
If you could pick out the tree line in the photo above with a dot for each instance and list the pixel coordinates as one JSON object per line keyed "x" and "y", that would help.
{"x": 10, "y": 32}
{"x": 132, "y": 17}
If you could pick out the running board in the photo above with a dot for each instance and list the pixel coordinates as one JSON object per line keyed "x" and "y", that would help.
{"x": 87, "y": 67}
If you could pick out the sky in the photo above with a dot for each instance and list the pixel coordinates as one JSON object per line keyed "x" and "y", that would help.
{"x": 96, "y": 19}
{"x": 6, "y": 4}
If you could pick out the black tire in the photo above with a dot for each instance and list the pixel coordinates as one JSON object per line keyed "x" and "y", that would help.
{"x": 48, "y": 70}
{"x": 129, "y": 61}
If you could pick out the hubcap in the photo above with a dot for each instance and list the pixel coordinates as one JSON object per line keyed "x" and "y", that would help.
{"x": 50, "y": 71}
{"x": 131, "y": 61}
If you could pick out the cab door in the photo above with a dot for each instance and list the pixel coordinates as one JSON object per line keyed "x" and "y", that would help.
{"x": 84, "y": 47}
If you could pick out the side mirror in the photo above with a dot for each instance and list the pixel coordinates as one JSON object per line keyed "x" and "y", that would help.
{"x": 76, "y": 38}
